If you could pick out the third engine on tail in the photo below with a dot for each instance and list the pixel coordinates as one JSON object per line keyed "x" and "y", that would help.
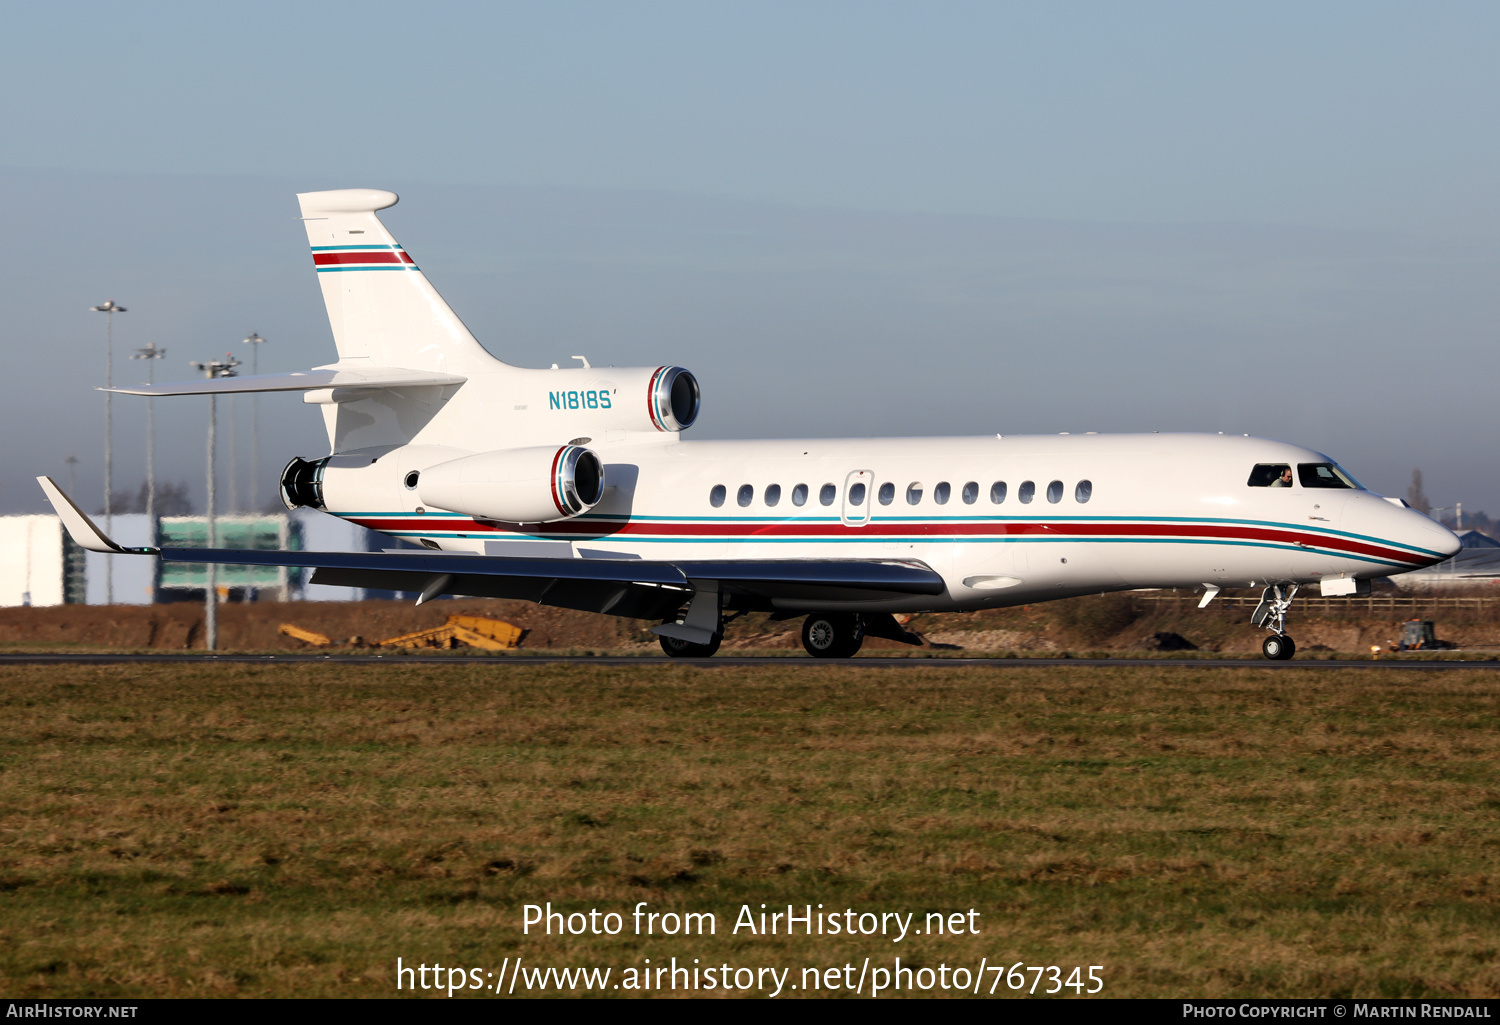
{"x": 594, "y": 400}
{"x": 524, "y": 485}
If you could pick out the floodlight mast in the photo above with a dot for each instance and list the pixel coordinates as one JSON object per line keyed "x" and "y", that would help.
{"x": 212, "y": 369}
{"x": 109, "y": 308}
{"x": 150, "y": 353}
{"x": 255, "y": 341}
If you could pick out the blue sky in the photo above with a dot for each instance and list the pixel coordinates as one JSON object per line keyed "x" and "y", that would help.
{"x": 848, "y": 218}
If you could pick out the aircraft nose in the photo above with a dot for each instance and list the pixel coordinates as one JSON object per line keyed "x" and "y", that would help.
{"x": 1434, "y": 537}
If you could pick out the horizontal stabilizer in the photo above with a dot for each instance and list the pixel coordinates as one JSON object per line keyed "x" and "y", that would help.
{"x": 302, "y": 380}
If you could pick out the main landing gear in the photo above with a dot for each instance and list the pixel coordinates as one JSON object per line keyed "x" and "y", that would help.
{"x": 824, "y": 634}
{"x": 1271, "y": 613}
{"x": 833, "y": 634}
{"x": 687, "y": 649}
{"x": 840, "y": 634}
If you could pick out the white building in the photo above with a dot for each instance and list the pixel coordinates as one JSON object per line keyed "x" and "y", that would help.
{"x": 33, "y": 562}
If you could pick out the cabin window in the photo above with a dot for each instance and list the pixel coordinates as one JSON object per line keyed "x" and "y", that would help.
{"x": 1083, "y": 492}
{"x": 1054, "y": 492}
{"x": 997, "y": 492}
{"x": 887, "y": 493}
{"x": 857, "y": 494}
{"x": 941, "y": 492}
{"x": 971, "y": 492}
{"x": 716, "y": 496}
{"x": 1324, "y": 475}
{"x": 1026, "y": 492}
{"x": 773, "y": 495}
{"x": 745, "y": 496}
{"x": 914, "y": 493}
{"x": 827, "y": 493}
{"x": 1271, "y": 475}
{"x": 799, "y": 495}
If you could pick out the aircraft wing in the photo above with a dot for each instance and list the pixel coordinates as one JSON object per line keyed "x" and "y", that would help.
{"x": 301, "y": 380}
{"x": 623, "y": 587}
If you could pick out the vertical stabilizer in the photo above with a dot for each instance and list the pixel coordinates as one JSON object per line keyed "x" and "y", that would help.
{"x": 382, "y": 308}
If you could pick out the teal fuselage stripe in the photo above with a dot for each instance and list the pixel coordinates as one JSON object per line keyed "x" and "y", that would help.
{"x": 383, "y": 266}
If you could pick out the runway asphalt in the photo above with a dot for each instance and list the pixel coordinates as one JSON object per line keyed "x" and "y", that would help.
{"x": 189, "y": 658}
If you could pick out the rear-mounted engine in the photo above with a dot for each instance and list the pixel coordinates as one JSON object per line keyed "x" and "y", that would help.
{"x": 523, "y": 485}
{"x": 302, "y": 483}
{"x": 674, "y": 399}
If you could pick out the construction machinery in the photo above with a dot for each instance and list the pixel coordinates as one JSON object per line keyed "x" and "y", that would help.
{"x": 1419, "y": 635}
{"x": 458, "y": 632}
{"x": 461, "y": 631}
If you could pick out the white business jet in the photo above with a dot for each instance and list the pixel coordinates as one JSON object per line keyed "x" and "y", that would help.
{"x": 573, "y": 487}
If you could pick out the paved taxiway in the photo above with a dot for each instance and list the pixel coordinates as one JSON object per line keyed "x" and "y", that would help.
{"x": 188, "y": 658}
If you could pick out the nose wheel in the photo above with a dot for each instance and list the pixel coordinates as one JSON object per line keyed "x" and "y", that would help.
{"x": 1275, "y": 602}
{"x": 833, "y": 634}
{"x": 1278, "y": 647}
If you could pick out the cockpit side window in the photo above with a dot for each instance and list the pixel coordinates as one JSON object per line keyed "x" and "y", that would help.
{"x": 1324, "y": 475}
{"x": 1271, "y": 475}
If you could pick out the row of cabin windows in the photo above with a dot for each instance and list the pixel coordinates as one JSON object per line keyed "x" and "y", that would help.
{"x": 886, "y": 494}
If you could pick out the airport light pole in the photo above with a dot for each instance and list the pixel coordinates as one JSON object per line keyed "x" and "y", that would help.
{"x": 255, "y": 341}
{"x": 72, "y": 462}
{"x": 150, "y": 353}
{"x": 109, "y": 308}
{"x": 213, "y": 369}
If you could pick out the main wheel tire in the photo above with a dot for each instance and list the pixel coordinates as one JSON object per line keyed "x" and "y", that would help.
{"x": 1278, "y": 647}
{"x": 687, "y": 649}
{"x": 833, "y": 634}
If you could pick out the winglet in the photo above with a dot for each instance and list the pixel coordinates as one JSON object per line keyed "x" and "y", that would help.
{"x": 80, "y": 527}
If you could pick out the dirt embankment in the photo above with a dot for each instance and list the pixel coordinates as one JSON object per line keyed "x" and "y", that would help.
{"x": 1105, "y": 623}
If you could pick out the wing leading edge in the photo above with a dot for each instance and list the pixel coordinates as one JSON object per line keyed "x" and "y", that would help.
{"x": 635, "y": 588}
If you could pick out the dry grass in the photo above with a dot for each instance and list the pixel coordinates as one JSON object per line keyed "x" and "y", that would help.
{"x": 291, "y": 830}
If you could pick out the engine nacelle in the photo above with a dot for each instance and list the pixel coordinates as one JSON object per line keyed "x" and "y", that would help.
{"x": 674, "y": 399}
{"x": 595, "y": 400}
{"x": 521, "y": 485}
{"x": 302, "y": 483}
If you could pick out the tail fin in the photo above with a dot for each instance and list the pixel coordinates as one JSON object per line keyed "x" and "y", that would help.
{"x": 382, "y": 309}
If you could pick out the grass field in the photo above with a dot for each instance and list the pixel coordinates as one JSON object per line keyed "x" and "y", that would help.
{"x": 292, "y": 830}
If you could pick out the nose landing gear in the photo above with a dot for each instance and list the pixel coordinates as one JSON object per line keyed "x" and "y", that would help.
{"x": 1271, "y": 614}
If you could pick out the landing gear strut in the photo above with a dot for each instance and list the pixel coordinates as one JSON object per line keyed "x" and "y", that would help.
{"x": 833, "y": 634}
{"x": 1271, "y": 614}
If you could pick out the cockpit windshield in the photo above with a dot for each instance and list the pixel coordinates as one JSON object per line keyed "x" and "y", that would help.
{"x": 1325, "y": 475}
{"x": 1271, "y": 475}
{"x": 1309, "y": 475}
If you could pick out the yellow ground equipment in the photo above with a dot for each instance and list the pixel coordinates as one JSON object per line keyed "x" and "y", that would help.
{"x": 312, "y": 637}
{"x": 474, "y": 631}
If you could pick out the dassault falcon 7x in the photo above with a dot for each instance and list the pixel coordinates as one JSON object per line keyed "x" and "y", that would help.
{"x": 573, "y": 487}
